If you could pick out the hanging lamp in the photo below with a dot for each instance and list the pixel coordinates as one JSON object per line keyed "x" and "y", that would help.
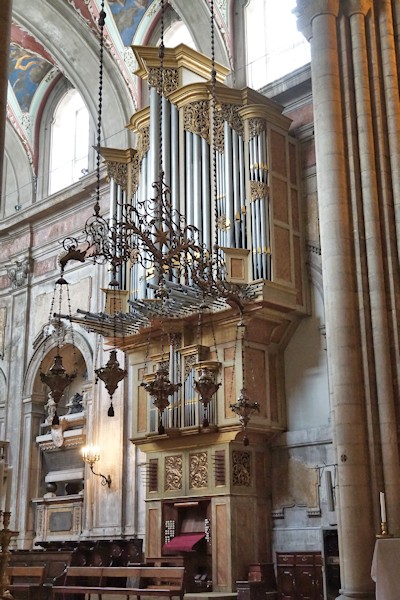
{"x": 243, "y": 407}
{"x": 57, "y": 378}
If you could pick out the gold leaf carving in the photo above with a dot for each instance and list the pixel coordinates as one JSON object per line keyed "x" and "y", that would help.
{"x": 169, "y": 79}
{"x": 230, "y": 113}
{"x": 198, "y": 470}
{"x": 258, "y": 189}
{"x": 118, "y": 172}
{"x": 256, "y": 126}
{"x": 196, "y": 118}
{"x": 173, "y": 472}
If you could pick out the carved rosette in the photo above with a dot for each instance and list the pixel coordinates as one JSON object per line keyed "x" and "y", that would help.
{"x": 230, "y": 113}
{"x": 169, "y": 76}
{"x": 241, "y": 473}
{"x": 196, "y": 118}
{"x": 118, "y": 172}
{"x": 173, "y": 473}
{"x": 198, "y": 470}
{"x": 256, "y": 127}
{"x": 258, "y": 189}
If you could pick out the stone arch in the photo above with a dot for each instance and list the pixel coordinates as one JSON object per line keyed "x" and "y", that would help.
{"x": 18, "y": 174}
{"x": 45, "y": 352}
{"x": 78, "y": 61}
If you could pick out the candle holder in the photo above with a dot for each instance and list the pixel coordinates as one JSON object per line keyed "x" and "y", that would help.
{"x": 384, "y": 531}
{"x": 5, "y": 537}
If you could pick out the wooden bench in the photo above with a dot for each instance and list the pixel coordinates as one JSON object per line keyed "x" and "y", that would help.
{"x": 127, "y": 581}
{"x": 26, "y": 580}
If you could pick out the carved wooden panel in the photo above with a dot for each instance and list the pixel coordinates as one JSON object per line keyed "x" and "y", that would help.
{"x": 241, "y": 468}
{"x": 173, "y": 473}
{"x": 198, "y": 470}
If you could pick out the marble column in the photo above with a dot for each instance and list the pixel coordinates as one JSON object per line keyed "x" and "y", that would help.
{"x": 5, "y": 29}
{"x": 319, "y": 22}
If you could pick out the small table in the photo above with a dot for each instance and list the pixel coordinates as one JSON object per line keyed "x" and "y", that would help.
{"x": 385, "y": 569}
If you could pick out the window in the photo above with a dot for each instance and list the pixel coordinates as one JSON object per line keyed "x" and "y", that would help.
{"x": 274, "y": 45}
{"x": 69, "y": 141}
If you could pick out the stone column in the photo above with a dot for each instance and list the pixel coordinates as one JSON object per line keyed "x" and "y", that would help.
{"x": 357, "y": 11}
{"x": 5, "y": 29}
{"x": 318, "y": 21}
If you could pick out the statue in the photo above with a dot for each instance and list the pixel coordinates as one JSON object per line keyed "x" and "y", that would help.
{"x": 75, "y": 404}
{"x": 51, "y": 408}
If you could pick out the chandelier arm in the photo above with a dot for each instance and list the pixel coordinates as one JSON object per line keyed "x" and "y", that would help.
{"x": 104, "y": 480}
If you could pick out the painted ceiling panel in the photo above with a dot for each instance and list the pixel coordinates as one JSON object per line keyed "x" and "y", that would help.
{"x": 27, "y": 69}
{"x": 127, "y": 15}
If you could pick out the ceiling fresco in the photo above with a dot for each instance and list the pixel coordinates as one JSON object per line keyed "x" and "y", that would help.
{"x": 127, "y": 15}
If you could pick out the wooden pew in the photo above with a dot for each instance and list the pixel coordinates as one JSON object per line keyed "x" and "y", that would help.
{"x": 128, "y": 581}
{"x": 26, "y": 582}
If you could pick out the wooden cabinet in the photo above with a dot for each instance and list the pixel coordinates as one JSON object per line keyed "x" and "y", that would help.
{"x": 299, "y": 575}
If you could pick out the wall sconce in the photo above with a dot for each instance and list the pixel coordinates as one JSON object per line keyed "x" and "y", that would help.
{"x": 91, "y": 455}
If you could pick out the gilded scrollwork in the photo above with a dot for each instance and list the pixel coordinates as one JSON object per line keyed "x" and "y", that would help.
{"x": 256, "y": 127}
{"x": 173, "y": 473}
{"x": 241, "y": 471}
{"x": 143, "y": 141}
{"x": 118, "y": 172}
{"x": 219, "y": 134}
{"x": 169, "y": 76}
{"x": 198, "y": 470}
{"x": 230, "y": 113}
{"x": 135, "y": 173}
{"x": 196, "y": 118}
{"x": 190, "y": 361}
{"x": 258, "y": 189}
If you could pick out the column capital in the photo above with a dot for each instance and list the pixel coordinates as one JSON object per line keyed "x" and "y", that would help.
{"x": 307, "y": 10}
{"x": 353, "y": 7}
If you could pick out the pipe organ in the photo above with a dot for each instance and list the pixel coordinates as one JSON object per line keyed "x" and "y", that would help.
{"x": 231, "y": 171}
{"x": 229, "y": 163}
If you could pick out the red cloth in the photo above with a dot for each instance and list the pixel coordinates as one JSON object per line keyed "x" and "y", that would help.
{"x": 183, "y": 543}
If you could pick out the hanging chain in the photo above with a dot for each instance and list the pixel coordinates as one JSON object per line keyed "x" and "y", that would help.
{"x": 47, "y": 333}
{"x": 161, "y": 53}
{"x": 102, "y": 18}
{"x": 214, "y": 135}
{"x": 72, "y": 329}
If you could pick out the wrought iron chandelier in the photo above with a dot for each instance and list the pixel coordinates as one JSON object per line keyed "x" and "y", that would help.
{"x": 57, "y": 378}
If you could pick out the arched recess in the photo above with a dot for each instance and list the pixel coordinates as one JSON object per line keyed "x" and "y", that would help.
{"x": 32, "y": 383}
{"x": 18, "y": 182}
{"x": 75, "y": 49}
{"x": 35, "y": 463}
